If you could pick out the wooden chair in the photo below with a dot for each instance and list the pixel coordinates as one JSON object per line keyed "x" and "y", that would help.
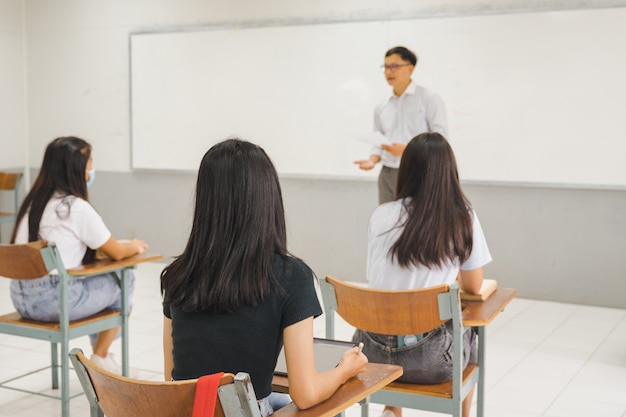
{"x": 35, "y": 260}
{"x": 10, "y": 181}
{"x": 117, "y": 396}
{"x": 400, "y": 313}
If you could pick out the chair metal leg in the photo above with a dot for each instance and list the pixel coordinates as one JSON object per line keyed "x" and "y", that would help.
{"x": 54, "y": 361}
{"x": 95, "y": 411}
{"x": 365, "y": 407}
{"x": 125, "y": 314}
{"x": 480, "y": 397}
{"x": 65, "y": 378}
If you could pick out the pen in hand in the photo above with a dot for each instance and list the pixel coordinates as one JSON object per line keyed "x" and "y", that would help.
{"x": 359, "y": 350}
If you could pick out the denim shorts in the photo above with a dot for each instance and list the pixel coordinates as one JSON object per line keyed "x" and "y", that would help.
{"x": 273, "y": 402}
{"x": 38, "y": 299}
{"x": 429, "y": 361}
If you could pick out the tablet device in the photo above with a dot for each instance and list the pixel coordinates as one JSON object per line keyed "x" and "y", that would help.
{"x": 327, "y": 353}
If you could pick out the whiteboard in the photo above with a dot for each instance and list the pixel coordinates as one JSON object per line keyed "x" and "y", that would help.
{"x": 531, "y": 98}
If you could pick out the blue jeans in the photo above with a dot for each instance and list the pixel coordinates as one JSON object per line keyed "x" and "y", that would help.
{"x": 273, "y": 402}
{"x": 429, "y": 361}
{"x": 38, "y": 299}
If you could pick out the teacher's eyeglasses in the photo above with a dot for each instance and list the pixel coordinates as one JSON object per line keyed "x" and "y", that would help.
{"x": 392, "y": 67}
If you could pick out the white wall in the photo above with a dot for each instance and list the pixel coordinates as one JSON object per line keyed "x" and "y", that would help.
{"x": 12, "y": 72}
{"x": 555, "y": 244}
{"x": 78, "y": 55}
{"x": 12, "y": 135}
{"x": 513, "y": 84}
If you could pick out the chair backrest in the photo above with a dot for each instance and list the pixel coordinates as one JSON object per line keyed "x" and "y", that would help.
{"x": 118, "y": 396}
{"x": 10, "y": 181}
{"x": 35, "y": 260}
{"x": 29, "y": 260}
{"x": 388, "y": 312}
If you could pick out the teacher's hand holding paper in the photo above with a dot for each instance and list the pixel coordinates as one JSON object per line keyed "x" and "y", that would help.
{"x": 373, "y": 138}
{"x": 395, "y": 149}
{"x": 378, "y": 139}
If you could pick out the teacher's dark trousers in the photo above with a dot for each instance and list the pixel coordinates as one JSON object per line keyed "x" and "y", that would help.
{"x": 387, "y": 181}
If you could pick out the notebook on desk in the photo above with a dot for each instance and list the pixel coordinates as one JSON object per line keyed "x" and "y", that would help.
{"x": 488, "y": 287}
{"x": 327, "y": 353}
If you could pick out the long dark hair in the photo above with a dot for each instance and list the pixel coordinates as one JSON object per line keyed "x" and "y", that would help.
{"x": 438, "y": 226}
{"x": 238, "y": 228}
{"x": 62, "y": 171}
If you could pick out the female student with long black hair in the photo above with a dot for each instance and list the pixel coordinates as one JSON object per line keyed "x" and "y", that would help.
{"x": 428, "y": 236}
{"x": 235, "y": 294}
{"x": 57, "y": 209}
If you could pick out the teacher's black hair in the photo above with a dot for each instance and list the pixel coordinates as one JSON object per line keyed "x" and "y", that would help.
{"x": 405, "y": 53}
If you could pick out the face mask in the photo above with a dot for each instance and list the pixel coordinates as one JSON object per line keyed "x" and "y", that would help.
{"x": 92, "y": 177}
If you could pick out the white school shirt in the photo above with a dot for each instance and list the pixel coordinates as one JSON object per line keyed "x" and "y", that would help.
{"x": 385, "y": 273}
{"x": 71, "y": 223}
{"x": 400, "y": 119}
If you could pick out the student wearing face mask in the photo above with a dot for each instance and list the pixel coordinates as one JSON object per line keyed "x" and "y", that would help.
{"x": 57, "y": 209}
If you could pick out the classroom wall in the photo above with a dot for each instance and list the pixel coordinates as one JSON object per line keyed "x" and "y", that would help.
{"x": 11, "y": 85}
{"x": 550, "y": 243}
{"x": 78, "y": 52}
{"x": 12, "y": 135}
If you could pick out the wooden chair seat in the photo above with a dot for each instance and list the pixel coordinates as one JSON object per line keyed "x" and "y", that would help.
{"x": 16, "y": 319}
{"x": 443, "y": 390}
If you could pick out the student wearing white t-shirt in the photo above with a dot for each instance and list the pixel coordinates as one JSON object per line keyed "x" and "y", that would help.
{"x": 57, "y": 209}
{"x": 429, "y": 236}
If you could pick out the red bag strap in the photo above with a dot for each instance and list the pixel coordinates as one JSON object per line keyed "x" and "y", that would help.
{"x": 206, "y": 395}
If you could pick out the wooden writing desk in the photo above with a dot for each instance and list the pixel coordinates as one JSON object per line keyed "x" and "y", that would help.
{"x": 479, "y": 314}
{"x": 120, "y": 270}
{"x": 109, "y": 265}
{"x": 358, "y": 388}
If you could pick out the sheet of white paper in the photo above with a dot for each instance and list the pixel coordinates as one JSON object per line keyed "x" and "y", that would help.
{"x": 373, "y": 138}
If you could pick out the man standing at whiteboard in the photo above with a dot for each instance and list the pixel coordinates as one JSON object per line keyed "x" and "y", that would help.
{"x": 409, "y": 111}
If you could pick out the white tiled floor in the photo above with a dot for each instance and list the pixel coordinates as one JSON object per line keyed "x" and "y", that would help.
{"x": 543, "y": 358}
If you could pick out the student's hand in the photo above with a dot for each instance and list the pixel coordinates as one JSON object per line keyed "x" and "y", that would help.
{"x": 139, "y": 245}
{"x": 354, "y": 361}
{"x": 395, "y": 149}
{"x": 120, "y": 249}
